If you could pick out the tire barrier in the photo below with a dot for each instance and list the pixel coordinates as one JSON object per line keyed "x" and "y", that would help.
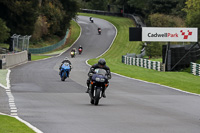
{"x": 145, "y": 63}
{"x": 195, "y": 68}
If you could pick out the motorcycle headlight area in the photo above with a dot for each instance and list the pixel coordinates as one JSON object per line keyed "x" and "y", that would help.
{"x": 100, "y": 79}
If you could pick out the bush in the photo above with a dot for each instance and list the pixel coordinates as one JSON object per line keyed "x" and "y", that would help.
{"x": 4, "y": 31}
{"x": 154, "y": 49}
{"x": 162, "y": 20}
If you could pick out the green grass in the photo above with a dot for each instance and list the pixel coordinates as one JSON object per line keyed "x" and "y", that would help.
{"x": 12, "y": 125}
{"x": 180, "y": 80}
{"x": 3, "y": 45}
{"x": 38, "y": 57}
{"x": 74, "y": 34}
{"x": 3, "y": 74}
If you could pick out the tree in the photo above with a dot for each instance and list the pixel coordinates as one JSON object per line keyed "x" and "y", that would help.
{"x": 20, "y": 15}
{"x": 163, "y": 20}
{"x": 54, "y": 18}
{"x": 71, "y": 8}
{"x": 192, "y": 9}
{"x": 4, "y": 31}
{"x": 98, "y": 4}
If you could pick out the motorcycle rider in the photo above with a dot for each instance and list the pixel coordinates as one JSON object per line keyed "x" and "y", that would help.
{"x": 91, "y": 19}
{"x": 66, "y": 60}
{"x": 80, "y": 47}
{"x": 101, "y": 64}
{"x": 73, "y": 51}
{"x": 99, "y": 30}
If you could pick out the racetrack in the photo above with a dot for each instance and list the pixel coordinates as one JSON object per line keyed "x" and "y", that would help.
{"x": 131, "y": 106}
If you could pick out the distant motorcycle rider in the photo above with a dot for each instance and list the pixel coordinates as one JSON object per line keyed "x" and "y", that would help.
{"x": 91, "y": 19}
{"x": 80, "y": 47}
{"x": 66, "y": 60}
{"x": 101, "y": 64}
{"x": 99, "y": 30}
{"x": 73, "y": 50}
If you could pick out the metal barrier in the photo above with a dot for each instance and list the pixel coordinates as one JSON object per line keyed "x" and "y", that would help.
{"x": 48, "y": 48}
{"x": 20, "y": 43}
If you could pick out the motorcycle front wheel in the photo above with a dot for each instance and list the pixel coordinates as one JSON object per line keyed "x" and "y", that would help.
{"x": 64, "y": 76}
{"x": 97, "y": 96}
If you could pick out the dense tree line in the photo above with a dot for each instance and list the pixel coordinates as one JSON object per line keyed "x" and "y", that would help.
{"x": 38, "y": 18}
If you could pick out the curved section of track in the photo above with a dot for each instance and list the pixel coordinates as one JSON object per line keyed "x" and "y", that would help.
{"x": 131, "y": 106}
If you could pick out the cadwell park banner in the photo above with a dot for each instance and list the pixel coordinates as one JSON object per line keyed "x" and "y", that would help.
{"x": 165, "y": 34}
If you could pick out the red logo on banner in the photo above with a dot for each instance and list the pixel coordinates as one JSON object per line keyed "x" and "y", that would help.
{"x": 186, "y": 34}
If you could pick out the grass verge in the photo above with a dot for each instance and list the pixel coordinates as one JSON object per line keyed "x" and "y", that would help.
{"x": 12, "y": 125}
{"x": 180, "y": 80}
{"x": 3, "y": 74}
{"x": 74, "y": 34}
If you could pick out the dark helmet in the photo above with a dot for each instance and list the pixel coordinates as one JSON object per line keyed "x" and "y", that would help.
{"x": 102, "y": 62}
{"x": 65, "y": 58}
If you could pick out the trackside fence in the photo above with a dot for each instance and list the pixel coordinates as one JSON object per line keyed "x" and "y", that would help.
{"x": 49, "y": 48}
{"x": 145, "y": 63}
{"x": 195, "y": 68}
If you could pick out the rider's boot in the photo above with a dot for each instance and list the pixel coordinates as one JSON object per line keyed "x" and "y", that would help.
{"x": 88, "y": 83}
{"x": 87, "y": 91}
{"x": 103, "y": 93}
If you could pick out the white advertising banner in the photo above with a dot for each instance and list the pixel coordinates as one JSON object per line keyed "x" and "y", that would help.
{"x": 165, "y": 34}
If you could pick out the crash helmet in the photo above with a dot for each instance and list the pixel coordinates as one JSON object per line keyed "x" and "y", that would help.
{"x": 65, "y": 58}
{"x": 102, "y": 62}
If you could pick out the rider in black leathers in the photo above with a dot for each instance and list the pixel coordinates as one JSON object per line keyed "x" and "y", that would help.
{"x": 99, "y": 30}
{"x": 101, "y": 64}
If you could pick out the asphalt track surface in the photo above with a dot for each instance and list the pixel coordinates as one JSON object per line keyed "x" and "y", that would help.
{"x": 53, "y": 106}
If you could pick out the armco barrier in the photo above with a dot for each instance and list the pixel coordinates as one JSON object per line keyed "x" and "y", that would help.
{"x": 48, "y": 48}
{"x": 142, "y": 63}
{"x": 195, "y": 68}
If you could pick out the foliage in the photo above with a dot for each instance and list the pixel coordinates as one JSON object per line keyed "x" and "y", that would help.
{"x": 178, "y": 10}
{"x": 154, "y": 49}
{"x": 145, "y": 8}
{"x": 192, "y": 9}
{"x": 71, "y": 8}
{"x": 41, "y": 28}
{"x": 39, "y": 18}
{"x": 98, "y": 4}
{"x": 53, "y": 13}
{"x": 162, "y": 20}
{"x": 20, "y": 15}
{"x": 4, "y": 31}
